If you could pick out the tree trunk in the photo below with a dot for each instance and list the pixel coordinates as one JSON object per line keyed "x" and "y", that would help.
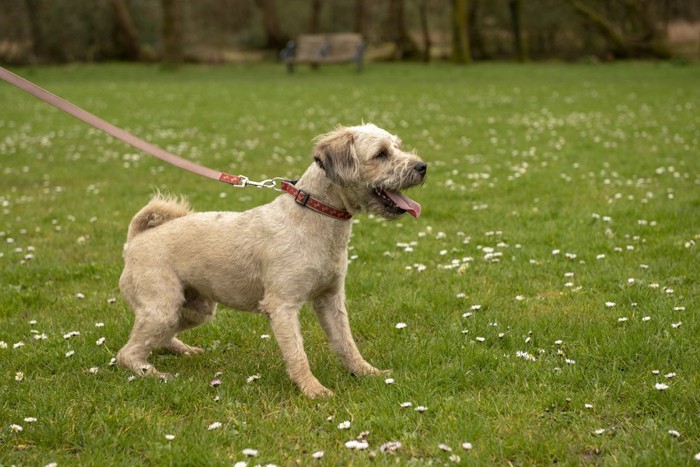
{"x": 396, "y": 23}
{"x": 460, "y": 32}
{"x": 274, "y": 39}
{"x": 519, "y": 48}
{"x": 360, "y": 17}
{"x": 617, "y": 42}
{"x": 315, "y": 22}
{"x": 38, "y": 45}
{"x": 476, "y": 38}
{"x": 126, "y": 32}
{"x": 172, "y": 32}
{"x": 427, "y": 43}
{"x": 649, "y": 44}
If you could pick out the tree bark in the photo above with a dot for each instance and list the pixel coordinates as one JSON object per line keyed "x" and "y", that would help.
{"x": 396, "y": 23}
{"x": 274, "y": 39}
{"x": 608, "y": 31}
{"x": 649, "y": 44}
{"x": 476, "y": 38}
{"x": 519, "y": 48}
{"x": 460, "y": 32}
{"x": 38, "y": 45}
{"x": 359, "y": 25}
{"x": 173, "y": 41}
{"x": 315, "y": 21}
{"x": 126, "y": 32}
{"x": 427, "y": 43}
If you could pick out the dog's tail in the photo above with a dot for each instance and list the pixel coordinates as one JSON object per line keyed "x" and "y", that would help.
{"x": 159, "y": 210}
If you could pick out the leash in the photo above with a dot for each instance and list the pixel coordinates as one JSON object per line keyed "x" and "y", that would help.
{"x": 300, "y": 197}
{"x": 125, "y": 136}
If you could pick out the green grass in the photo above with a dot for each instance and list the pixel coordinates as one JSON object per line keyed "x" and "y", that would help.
{"x": 599, "y": 163}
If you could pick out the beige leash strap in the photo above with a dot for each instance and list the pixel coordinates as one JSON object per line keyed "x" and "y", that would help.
{"x": 116, "y": 132}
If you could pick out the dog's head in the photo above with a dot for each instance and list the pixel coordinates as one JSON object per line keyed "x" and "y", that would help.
{"x": 372, "y": 170}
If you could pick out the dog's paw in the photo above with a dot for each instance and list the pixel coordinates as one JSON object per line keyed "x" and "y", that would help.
{"x": 178, "y": 347}
{"x": 369, "y": 370}
{"x": 193, "y": 351}
{"x": 316, "y": 391}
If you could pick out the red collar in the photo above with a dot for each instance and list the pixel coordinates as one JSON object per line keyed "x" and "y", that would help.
{"x": 305, "y": 199}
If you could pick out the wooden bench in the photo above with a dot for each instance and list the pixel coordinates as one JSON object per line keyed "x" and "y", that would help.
{"x": 315, "y": 49}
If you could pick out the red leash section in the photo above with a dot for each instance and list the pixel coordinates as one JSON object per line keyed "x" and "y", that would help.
{"x": 301, "y": 197}
{"x": 116, "y": 132}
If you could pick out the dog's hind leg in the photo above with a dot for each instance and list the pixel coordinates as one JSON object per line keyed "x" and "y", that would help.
{"x": 331, "y": 313}
{"x": 154, "y": 327}
{"x": 196, "y": 310}
{"x": 156, "y": 302}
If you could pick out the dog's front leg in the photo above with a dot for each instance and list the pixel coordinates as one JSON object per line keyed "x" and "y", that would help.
{"x": 284, "y": 320}
{"x": 331, "y": 312}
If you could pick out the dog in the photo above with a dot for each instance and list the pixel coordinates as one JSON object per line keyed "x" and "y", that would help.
{"x": 271, "y": 259}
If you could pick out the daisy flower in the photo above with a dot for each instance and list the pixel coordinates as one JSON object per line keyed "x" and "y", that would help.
{"x": 354, "y": 444}
{"x": 214, "y": 426}
{"x": 390, "y": 446}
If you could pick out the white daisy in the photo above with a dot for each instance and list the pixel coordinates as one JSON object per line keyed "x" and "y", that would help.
{"x": 248, "y": 452}
{"x": 390, "y": 446}
{"x": 214, "y": 426}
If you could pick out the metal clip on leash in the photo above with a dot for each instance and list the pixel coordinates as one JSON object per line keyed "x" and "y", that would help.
{"x": 267, "y": 183}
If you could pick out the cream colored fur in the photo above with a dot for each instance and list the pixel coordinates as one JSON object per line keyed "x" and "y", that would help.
{"x": 271, "y": 259}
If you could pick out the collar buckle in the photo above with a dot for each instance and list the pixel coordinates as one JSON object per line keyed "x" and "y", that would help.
{"x": 302, "y": 197}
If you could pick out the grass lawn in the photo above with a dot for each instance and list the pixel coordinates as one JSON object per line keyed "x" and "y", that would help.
{"x": 550, "y": 290}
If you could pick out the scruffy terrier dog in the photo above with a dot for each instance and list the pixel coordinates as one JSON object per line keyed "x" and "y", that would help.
{"x": 271, "y": 259}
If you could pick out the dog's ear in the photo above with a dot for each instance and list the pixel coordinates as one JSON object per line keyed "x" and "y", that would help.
{"x": 335, "y": 154}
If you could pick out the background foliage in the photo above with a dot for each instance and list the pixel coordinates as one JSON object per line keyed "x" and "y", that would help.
{"x": 220, "y": 30}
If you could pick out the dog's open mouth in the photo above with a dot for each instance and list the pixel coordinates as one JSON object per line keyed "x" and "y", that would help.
{"x": 397, "y": 201}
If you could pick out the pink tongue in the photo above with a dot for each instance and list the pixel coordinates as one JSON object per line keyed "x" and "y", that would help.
{"x": 404, "y": 202}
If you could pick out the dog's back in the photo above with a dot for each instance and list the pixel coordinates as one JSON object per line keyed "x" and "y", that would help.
{"x": 159, "y": 210}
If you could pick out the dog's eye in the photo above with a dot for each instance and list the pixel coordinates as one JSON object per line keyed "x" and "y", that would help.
{"x": 383, "y": 154}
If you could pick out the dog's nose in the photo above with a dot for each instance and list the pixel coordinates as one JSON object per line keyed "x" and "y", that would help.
{"x": 421, "y": 167}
